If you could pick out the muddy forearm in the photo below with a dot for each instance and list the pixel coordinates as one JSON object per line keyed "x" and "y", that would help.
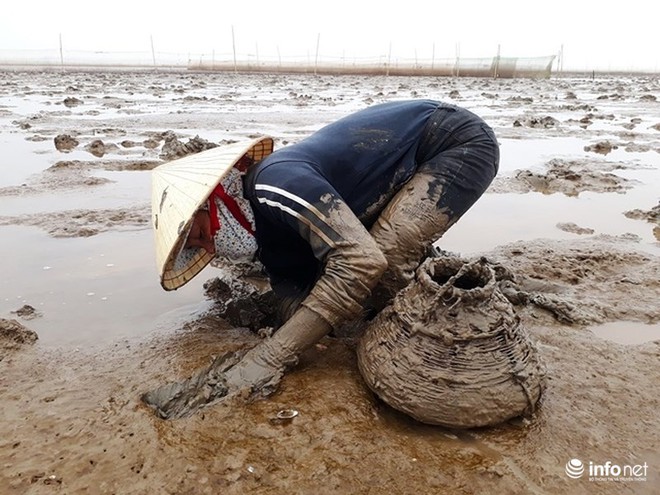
{"x": 352, "y": 270}
{"x": 263, "y": 366}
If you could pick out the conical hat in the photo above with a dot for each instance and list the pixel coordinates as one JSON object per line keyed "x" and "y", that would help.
{"x": 178, "y": 189}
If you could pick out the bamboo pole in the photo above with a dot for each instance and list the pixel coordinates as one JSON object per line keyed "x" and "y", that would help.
{"x": 496, "y": 69}
{"x": 433, "y": 57}
{"x": 233, "y": 44}
{"x": 316, "y": 57}
{"x": 61, "y": 53}
{"x": 389, "y": 60}
{"x": 458, "y": 59}
{"x": 153, "y": 52}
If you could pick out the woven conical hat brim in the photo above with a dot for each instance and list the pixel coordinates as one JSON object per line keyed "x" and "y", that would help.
{"x": 179, "y": 188}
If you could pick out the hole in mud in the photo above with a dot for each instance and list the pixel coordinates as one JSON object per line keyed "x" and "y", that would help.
{"x": 467, "y": 281}
{"x": 442, "y": 274}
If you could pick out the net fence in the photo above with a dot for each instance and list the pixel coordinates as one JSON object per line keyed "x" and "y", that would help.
{"x": 504, "y": 67}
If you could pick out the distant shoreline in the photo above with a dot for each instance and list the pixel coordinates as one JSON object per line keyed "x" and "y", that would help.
{"x": 367, "y": 70}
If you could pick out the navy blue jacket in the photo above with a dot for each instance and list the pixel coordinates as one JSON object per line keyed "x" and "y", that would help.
{"x": 362, "y": 159}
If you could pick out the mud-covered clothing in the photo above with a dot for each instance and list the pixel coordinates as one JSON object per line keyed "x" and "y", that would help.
{"x": 314, "y": 201}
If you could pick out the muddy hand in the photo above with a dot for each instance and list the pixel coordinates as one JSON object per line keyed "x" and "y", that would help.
{"x": 256, "y": 372}
{"x": 181, "y": 399}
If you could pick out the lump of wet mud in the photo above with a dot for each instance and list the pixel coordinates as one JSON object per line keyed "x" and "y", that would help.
{"x": 13, "y": 336}
{"x": 27, "y": 312}
{"x": 173, "y": 148}
{"x": 574, "y": 108}
{"x": 71, "y": 101}
{"x": 566, "y": 177}
{"x": 36, "y": 138}
{"x": 549, "y": 278}
{"x": 521, "y": 99}
{"x": 585, "y": 121}
{"x": 602, "y": 147}
{"x": 150, "y": 144}
{"x": 111, "y": 165}
{"x": 242, "y": 304}
{"x": 65, "y": 164}
{"x": 84, "y": 223}
{"x": 181, "y": 399}
{"x": 65, "y": 142}
{"x": 614, "y": 96}
{"x": 574, "y": 228}
{"x": 537, "y": 122}
{"x": 450, "y": 350}
{"x": 637, "y": 148}
{"x": 98, "y": 148}
{"x": 651, "y": 216}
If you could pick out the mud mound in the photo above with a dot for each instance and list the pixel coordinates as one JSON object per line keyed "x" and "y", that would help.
{"x": 537, "y": 122}
{"x": 65, "y": 142}
{"x": 14, "y": 336}
{"x": 242, "y": 304}
{"x": 586, "y": 282}
{"x": 83, "y": 223}
{"x": 602, "y": 147}
{"x": 27, "y": 312}
{"x": 98, "y": 148}
{"x": 110, "y": 165}
{"x": 173, "y": 148}
{"x": 72, "y": 101}
{"x": 651, "y": 216}
{"x": 574, "y": 228}
{"x": 566, "y": 177}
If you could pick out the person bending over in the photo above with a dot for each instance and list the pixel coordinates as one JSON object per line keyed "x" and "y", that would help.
{"x": 341, "y": 219}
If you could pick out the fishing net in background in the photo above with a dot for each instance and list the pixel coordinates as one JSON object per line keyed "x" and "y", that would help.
{"x": 450, "y": 349}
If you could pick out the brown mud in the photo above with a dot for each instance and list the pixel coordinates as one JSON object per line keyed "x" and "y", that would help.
{"x": 72, "y": 419}
{"x": 569, "y": 178}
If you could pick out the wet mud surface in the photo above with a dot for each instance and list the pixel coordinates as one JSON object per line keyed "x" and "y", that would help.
{"x": 570, "y": 224}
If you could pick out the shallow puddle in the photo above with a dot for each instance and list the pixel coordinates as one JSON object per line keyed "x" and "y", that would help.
{"x": 90, "y": 291}
{"x": 627, "y": 332}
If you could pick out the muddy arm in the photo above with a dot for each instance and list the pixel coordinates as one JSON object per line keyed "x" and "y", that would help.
{"x": 257, "y": 372}
{"x": 352, "y": 268}
{"x": 352, "y": 265}
{"x": 292, "y": 200}
{"x": 262, "y": 368}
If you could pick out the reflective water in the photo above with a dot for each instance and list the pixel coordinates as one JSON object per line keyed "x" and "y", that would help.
{"x": 627, "y": 332}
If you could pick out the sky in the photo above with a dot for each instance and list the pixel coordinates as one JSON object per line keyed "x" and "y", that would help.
{"x": 595, "y": 35}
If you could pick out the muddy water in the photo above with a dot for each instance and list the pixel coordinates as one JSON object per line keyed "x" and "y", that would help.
{"x": 72, "y": 421}
{"x": 86, "y": 288}
{"x": 627, "y": 332}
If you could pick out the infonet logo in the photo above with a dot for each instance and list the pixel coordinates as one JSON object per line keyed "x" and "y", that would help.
{"x": 575, "y": 469}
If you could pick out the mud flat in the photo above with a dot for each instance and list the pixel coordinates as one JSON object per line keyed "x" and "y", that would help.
{"x": 571, "y": 221}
